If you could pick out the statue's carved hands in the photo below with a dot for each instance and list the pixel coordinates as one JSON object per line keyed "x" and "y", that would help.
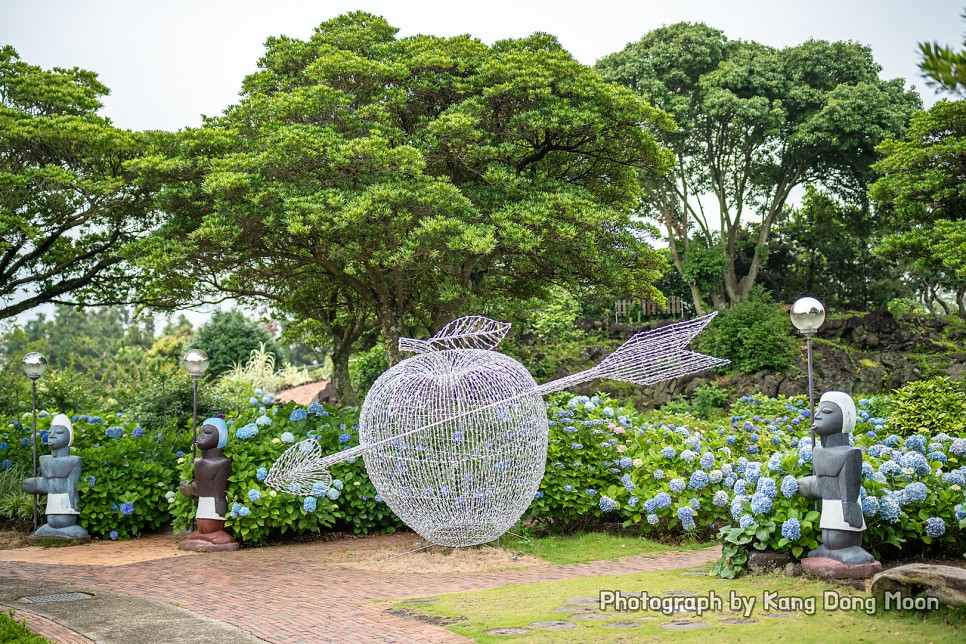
{"x": 853, "y": 514}
{"x": 187, "y": 488}
{"x": 808, "y": 487}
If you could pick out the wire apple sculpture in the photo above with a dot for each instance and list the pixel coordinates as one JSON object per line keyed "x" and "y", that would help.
{"x": 455, "y": 438}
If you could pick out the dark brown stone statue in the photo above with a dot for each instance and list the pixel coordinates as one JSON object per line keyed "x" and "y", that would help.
{"x": 210, "y": 486}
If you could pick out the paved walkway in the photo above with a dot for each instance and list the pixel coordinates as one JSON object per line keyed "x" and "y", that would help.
{"x": 283, "y": 594}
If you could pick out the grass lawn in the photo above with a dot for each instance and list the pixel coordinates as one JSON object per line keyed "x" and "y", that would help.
{"x": 589, "y": 546}
{"x": 521, "y": 605}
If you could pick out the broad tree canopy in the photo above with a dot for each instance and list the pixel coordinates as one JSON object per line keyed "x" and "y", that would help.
{"x": 67, "y": 206}
{"x": 410, "y": 174}
{"x": 754, "y": 123}
{"x": 922, "y": 197}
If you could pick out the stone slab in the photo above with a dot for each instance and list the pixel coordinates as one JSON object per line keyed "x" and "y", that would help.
{"x": 832, "y": 569}
{"x": 197, "y": 545}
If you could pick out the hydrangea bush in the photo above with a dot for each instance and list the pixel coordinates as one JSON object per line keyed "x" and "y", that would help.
{"x": 678, "y": 475}
{"x": 257, "y": 512}
{"x": 128, "y": 471}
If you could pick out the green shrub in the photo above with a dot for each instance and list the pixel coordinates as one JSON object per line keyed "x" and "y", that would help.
{"x": 366, "y": 367}
{"x": 754, "y": 335}
{"x": 16, "y": 632}
{"x": 168, "y": 402}
{"x": 229, "y": 338}
{"x": 929, "y": 406}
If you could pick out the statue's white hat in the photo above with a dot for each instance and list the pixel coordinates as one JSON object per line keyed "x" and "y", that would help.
{"x": 64, "y": 421}
{"x": 846, "y": 404}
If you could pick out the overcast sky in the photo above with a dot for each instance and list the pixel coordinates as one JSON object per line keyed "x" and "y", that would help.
{"x": 167, "y": 62}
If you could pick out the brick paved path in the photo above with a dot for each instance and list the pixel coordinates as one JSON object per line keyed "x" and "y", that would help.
{"x": 282, "y": 595}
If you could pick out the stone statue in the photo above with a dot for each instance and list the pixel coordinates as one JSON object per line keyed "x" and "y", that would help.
{"x": 837, "y": 480}
{"x": 60, "y": 473}
{"x": 210, "y": 486}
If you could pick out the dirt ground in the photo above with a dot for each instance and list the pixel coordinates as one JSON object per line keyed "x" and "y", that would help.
{"x": 402, "y": 553}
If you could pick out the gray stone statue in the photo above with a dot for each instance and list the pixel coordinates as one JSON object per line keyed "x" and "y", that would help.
{"x": 60, "y": 473}
{"x": 837, "y": 480}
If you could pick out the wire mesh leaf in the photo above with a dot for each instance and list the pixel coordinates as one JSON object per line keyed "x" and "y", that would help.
{"x": 470, "y": 332}
{"x": 300, "y": 470}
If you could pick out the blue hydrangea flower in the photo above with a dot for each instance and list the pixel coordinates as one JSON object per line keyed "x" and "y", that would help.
{"x": 937, "y": 456}
{"x": 737, "y": 505}
{"x": 662, "y": 500}
{"x": 287, "y": 437}
{"x": 576, "y": 446}
{"x": 607, "y": 504}
{"x": 627, "y": 482}
{"x": 298, "y": 414}
{"x": 127, "y": 508}
{"x": 752, "y": 472}
{"x": 789, "y": 486}
{"x": 568, "y": 488}
{"x": 746, "y": 520}
{"x": 917, "y": 462}
{"x": 760, "y": 504}
{"x": 653, "y": 519}
{"x": 666, "y": 452}
{"x": 715, "y": 477}
{"x": 261, "y": 473}
{"x": 95, "y": 420}
{"x": 315, "y": 408}
{"x": 246, "y": 432}
{"x": 254, "y": 495}
{"x": 590, "y": 491}
{"x": 766, "y": 486}
{"x": 677, "y": 485}
{"x": 916, "y": 442}
{"x": 114, "y": 432}
{"x": 244, "y": 511}
{"x": 805, "y": 451}
{"x": 658, "y": 474}
{"x": 695, "y": 503}
{"x": 958, "y": 447}
{"x": 740, "y": 486}
{"x": 686, "y": 515}
{"x": 867, "y": 471}
{"x": 889, "y": 508}
{"x": 138, "y": 432}
{"x": 338, "y": 484}
{"x": 263, "y": 421}
{"x": 309, "y": 504}
{"x": 889, "y": 468}
{"x": 633, "y": 501}
{"x": 720, "y": 498}
{"x": 688, "y": 456}
{"x": 344, "y": 438}
{"x": 915, "y": 492}
{"x": 935, "y": 527}
{"x": 960, "y": 511}
{"x": 113, "y": 535}
{"x": 792, "y": 529}
{"x": 955, "y": 477}
{"x": 699, "y": 480}
{"x": 893, "y": 440}
{"x": 625, "y": 462}
{"x": 870, "y": 505}
{"x": 332, "y": 494}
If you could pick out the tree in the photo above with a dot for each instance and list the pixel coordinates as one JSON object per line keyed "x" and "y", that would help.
{"x": 67, "y": 205}
{"x": 922, "y": 197}
{"x": 754, "y": 124}
{"x": 943, "y": 67}
{"x": 406, "y": 176}
{"x": 824, "y": 249}
{"x": 229, "y": 338}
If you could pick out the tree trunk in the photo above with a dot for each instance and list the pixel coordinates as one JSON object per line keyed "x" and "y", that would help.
{"x": 390, "y": 335}
{"x": 340, "y": 376}
{"x": 960, "y": 303}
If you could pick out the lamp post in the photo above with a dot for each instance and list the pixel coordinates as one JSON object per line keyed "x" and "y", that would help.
{"x": 34, "y": 365}
{"x": 195, "y": 363}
